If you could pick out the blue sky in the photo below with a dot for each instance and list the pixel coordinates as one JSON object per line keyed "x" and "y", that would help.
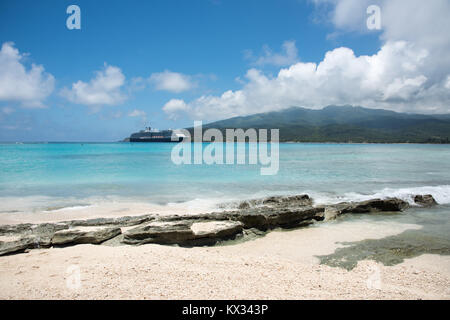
{"x": 155, "y": 52}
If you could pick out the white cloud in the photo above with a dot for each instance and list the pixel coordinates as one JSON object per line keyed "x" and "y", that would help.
{"x": 104, "y": 89}
{"x": 289, "y": 55}
{"x": 348, "y": 14}
{"x": 174, "y": 107}
{"x": 409, "y": 73}
{"x": 172, "y": 81}
{"x": 137, "y": 113}
{"x": 28, "y": 87}
{"x": 420, "y": 22}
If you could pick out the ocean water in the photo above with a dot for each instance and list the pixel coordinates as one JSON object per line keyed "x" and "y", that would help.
{"x": 328, "y": 172}
{"x": 87, "y": 177}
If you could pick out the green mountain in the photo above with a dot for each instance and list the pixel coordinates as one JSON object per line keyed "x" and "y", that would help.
{"x": 346, "y": 124}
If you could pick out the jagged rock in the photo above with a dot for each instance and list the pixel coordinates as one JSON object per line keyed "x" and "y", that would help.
{"x": 31, "y": 236}
{"x": 261, "y": 217}
{"x": 213, "y": 216}
{"x": 331, "y": 213}
{"x": 278, "y": 201}
{"x": 32, "y": 229}
{"x": 216, "y": 229}
{"x": 160, "y": 232}
{"x": 270, "y": 218}
{"x": 374, "y": 205}
{"x": 121, "y": 221}
{"x": 184, "y": 232}
{"x": 299, "y": 200}
{"x": 15, "y": 228}
{"x": 114, "y": 242}
{"x": 15, "y": 246}
{"x": 47, "y": 229}
{"x": 272, "y": 200}
{"x": 20, "y": 245}
{"x": 425, "y": 200}
{"x": 74, "y": 236}
{"x": 252, "y": 219}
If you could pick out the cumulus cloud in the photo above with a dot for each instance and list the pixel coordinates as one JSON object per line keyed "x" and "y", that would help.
{"x": 28, "y": 87}
{"x": 172, "y": 81}
{"x": 104, "y": 89}
{"x": 174, "y": 107}
{"x": 420, "y": 22}
{"x": 409, "y": 73}
{"x": 289, "y": 55}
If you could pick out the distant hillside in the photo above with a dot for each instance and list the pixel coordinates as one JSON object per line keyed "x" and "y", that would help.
{"x": 346, "y": 124}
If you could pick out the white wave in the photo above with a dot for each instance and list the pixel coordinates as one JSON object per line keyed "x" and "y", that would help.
{"x": 440, "y": 193}
{"x": 69, "y": 208}
{"x": 134, "y": 206}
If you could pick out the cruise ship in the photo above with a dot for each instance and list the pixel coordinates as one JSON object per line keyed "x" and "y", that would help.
{"x": 155, "y": 135}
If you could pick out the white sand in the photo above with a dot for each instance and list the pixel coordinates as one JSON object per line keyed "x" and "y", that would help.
{"x": 278, "y": 266}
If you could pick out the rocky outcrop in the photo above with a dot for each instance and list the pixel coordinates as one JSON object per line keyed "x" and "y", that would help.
{"x": 76, "y": 236}
{"x": 278, "y": 201}
{"x": 217, "y": 229}
{"x": 271, "y": 218}
{"x": 370, "y": 206}
{"x": 425, "y": 200}
{"x": 32, "y": 229}
{"x": 251, "y": 219}
{"x": 121, "y": 221}
{"x": 331, "y": 212}
{"x": 291, "y": 201}
{"x": 185, "y": 232}
{"x": 23, "y": 243}
{"x": 16, "y": 246}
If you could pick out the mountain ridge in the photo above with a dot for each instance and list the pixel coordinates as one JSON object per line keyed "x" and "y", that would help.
{"x": 345, "y": 124}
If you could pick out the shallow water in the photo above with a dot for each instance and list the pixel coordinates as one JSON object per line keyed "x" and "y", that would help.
{"x": 431, "y": 236}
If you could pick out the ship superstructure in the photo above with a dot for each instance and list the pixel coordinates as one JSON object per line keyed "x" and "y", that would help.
{"x": 155, "y": 135}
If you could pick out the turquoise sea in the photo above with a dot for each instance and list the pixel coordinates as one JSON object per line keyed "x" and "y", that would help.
{"x": 146, "y": 171}
{"x": 53, "y": 176}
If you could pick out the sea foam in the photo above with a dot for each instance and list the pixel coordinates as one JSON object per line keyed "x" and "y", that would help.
{"x": 440, "y": 193}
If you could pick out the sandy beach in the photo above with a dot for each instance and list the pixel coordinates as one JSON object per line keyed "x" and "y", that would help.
{"x": 224, "y": 150}
{"x": 281, "y": 265}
